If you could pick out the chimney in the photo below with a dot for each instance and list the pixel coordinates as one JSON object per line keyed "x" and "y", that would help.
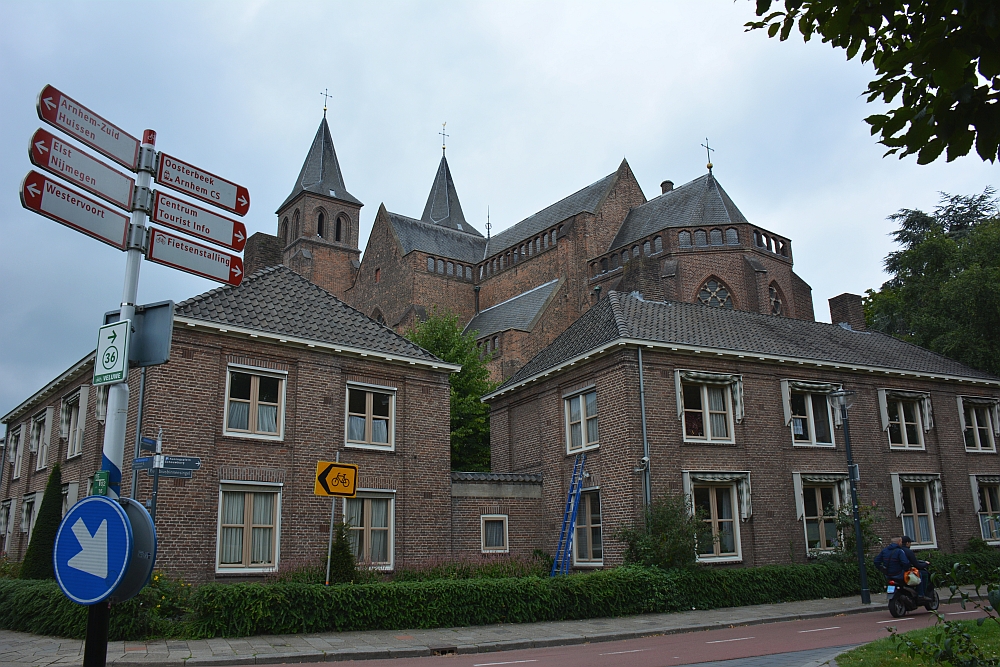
{"x": 847, "y": 309}
{"x": 666, "y": 186}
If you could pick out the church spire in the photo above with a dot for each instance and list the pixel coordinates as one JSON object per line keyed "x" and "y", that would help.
{"x": 320, "y": 172}
{"x": 443, "y": 207}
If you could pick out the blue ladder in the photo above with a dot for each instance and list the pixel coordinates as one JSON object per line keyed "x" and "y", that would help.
{"x": 563, "y": 560}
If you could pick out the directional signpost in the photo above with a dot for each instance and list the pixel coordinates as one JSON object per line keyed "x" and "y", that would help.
{"x": 65, "y": 113}
{"x": 62, "y": 159}
{"x": 203, "y": 185}
{"x": 111, "y": 362}
{"x": 49, "y": 198}
{"x": 201, "y": 260}
{"x": 197, "y": 221}
{"x": 334, "y": 479}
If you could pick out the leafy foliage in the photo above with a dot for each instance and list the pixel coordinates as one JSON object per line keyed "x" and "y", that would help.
{"x": 869, "y": 517}
{"x": 37, "y": 562}
{"x": 342, "y": 564}
{"x": 937, "y": 60}
{"x": 441, "y": 334}
{"x": 668, "y": 536}
{"x": 9, "y": 569}
{"x": 944, "y": 293}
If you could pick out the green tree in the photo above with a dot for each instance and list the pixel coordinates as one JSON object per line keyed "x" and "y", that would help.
{"x": 944, "y": 293}
{"x": 668, "y": 535}
{"x": 342, "y": 565}
{"x": 441, "y": 334}
{"x": 38, "y": 558}
{"x": 937, "y": 61}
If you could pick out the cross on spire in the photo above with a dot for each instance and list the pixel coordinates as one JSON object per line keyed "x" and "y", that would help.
{"x": 326, "y": 96}
{"x": 444, "y": 137}
{"x": 708, "y": 152}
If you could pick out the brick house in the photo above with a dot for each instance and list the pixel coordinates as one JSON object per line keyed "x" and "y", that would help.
{"x": 736, "y": 411}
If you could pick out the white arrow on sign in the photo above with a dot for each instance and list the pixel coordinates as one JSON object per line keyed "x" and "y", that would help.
{"x": 33, "y": 189}
{"x": 93, "y": 559}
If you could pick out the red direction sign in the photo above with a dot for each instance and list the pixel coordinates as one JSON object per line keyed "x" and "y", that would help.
{"x": 79, "y": 122}
{"x": 57, "y": 157}
{"x": 202, "y": 185}
{"x": 197, "y": 221}
{"x": 179, "y": 253}
{"x": 49, "y": 198}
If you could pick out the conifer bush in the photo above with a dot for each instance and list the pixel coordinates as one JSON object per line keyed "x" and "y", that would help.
{"x": 37, "y": 562}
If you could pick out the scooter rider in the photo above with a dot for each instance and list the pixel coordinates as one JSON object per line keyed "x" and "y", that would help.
{"x": 921, "y": 566}
{"x": 892, "y": 560}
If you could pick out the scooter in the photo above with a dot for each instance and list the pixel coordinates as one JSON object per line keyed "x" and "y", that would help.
{"x": 903, "y": 598}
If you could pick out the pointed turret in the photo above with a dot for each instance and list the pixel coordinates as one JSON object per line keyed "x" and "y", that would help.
{"x": 320, "y": 172}
{"x": 443, "y": 207}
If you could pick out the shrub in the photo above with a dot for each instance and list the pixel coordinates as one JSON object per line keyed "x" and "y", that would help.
{"x": 486, "y": 566}
{"x": 9, "y": 569}
{"x": 342, "y": 566}
{"x": 669, "y": 534}
{"x": 869, "y": 517}
{"x": 37, "y": 562}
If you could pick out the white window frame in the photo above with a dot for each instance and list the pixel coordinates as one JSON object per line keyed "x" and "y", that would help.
{"x": 370, "y": 388}
{"x": 33, "y": 500}
{"x": 248, "y": 487}
{"x": 580, "y": 397}
{"x": 924, "y": 412}
{"x": 991, "y": 431}
{"x": 41, "y": 424}
{"x": 282, "y": 376}
{"x": 19, "y": 450}
{"x": 76, "y": 421}
{"x": 379, "y": 494}
{"x": 483, "y": 518}
{"x": 811, "y": 409}
{"x": 905, "y": 445}
{"x": 809, "y": 478}
{"x": 706, "y": 414}
{"x": 734, "y": 499}
{"x": 813, "y": 487}
{"x": 596, "y": 562}
{"x": 923, "y": 488}
{"x": 5, "y": 522}
{"x": 934, "y": 496}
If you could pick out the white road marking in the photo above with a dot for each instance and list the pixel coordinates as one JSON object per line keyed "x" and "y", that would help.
{"x": 895, "y": 620}
{"x": 511, "y": 662}
{"x": 723, "y": 641}
{"x": 956, "y": 613}
{"x": 638, "y": 650}
{"x": 835, "y": 627}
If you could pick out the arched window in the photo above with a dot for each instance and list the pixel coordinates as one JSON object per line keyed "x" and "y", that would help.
{"x": 295, "y": 225}
{"x": 545, "y": 241}
{"x": 430, "y": 265}
{"x": 774, "y": 295}
{"x": 378, "y": 275}
{"x": 377, "y": 316}
{"x": 468, "y": 273}
{"x": 593, "y": 269}
{"x": 440, "y": 266}
{"x": 320, "y": 225}
{"x": 732, "y": 236}
{"x": 604, "y": 265}
{"x": 451, "y": 269}
{"x": 716, "y": 236}
{"x": 625, "y": 257}
{"x": 538, "y": 245}
{"x": 758, "y": 239}
{"x": 635, "y": 251}
{"x": 614, "y": 261}
{"x": 496, "y": 344}
{"x": 552, "y": 238}
{"x": 657, "y": 244}
{"x": 283, "y": 232}
{"x": 339, "y": 230}
{"x": 700, "y": 237}
{"x": 684, "y": 239}
{"x": 783, "y": 249}
{"x": 647, "y": 248}
{"x": 715, "y": 293}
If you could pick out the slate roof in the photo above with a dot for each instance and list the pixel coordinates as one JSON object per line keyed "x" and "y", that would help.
{"x": 320, "y": 172}
{"x": 582, "y": 201}
{"x": 443, "y": 207}
{"x": 533, "y": 478}
{"x": 520, "y": 312}
{"x": 623, "y": 315}
{"x": 437, "y": 240}
{"x": 277, "y": 300}
{"x": 702, "y": 202}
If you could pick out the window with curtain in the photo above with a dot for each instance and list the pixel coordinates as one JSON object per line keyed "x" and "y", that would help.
{"x": 39, "y": 443}
{"x": 255, "y": 403}
{"x": 74, "y": 435}
{"x": 370, "y": 417}
{"x": 494, "y": 533}
{"x": 588, "y": 539}
{"x": 917, "y": 520}
{"x": 989, "y": 510}
{"x": 820, "y": 514}
{"x": 370, "y": 532}
{"x": 15, "y": 445}
{"x": 717, "y": 503}
{"x": 978, "y": 432}
{"x": 905, "y": 429}
{"x": 707, "y": 412}
{"x": 811, "y": 419}
{"x": 248, "y": 528}
{"x": 581, "y": 422}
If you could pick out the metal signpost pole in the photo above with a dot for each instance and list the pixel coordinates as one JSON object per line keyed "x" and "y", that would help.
{"x": 329, "y": 544}
{"x": 156, "y": 474}
{"x": 138, "y": 430}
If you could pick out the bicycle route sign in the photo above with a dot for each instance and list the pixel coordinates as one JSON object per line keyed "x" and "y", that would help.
{"x": 336, "y": 479}
{"x": 111, "y": 362}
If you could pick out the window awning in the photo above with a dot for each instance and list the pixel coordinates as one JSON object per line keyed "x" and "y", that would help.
{"x": 735, "y": 383}
{"x": 740, "y": 477}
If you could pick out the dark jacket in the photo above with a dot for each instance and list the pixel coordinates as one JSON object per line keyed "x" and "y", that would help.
{"x": 894, "y": 561}
{"x": 912, "y": 558}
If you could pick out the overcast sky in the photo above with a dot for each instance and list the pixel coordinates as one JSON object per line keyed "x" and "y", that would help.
{"x": 541, "y": 99}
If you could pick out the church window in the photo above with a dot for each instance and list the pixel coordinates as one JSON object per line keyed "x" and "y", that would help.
{"x": 604, "y": 265}
{"x": 657, "y": 245}
{"x": 370, "y": 417}
{"x": 468, "y": 273}
{"x": 593, "y": 269}
{"x": 684, "y": 239}
{"x": 715, "y": 293}
{"x": 481, "y": 272}
{"x": 255, "y": 405}
{"x": 732, "y": 236}
{"x": 284, "y": 232}
{"x": 538, "y": 245}
{"x": 378, "y": 275}
{"x": 700, "y": 237}
{"x": 487, "y": 346}
{"x": 775, "y": 297}
{"x": 545, "y": 241}
{"x": 716, "y": 236}
{"x": 320, "y": 226}
{"x": 647, "y": 248}
{"x": 440, "y": 266}
{"x": 635, "y": 251}
{"x": 614, "y": 261}
{"x": 451, "y": 269}
{"x": 783, "y": 248}
{"x": 430, "y": 265}
{"x": 339, "y": 230}
{"x": 496, "y": 344}
{"x": 625, "y": 257}
{"x": 552, "y": 240}
{"x": 295, "y": 226}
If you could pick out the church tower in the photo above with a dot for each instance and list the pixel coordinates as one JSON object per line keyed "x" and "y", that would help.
{"x": 319, "y": 222}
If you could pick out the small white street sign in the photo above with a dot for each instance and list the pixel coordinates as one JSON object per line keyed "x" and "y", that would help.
{"x": 111, "y": 363}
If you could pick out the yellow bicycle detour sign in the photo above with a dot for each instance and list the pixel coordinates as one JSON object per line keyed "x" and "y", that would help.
{"x": 336, "y": 479}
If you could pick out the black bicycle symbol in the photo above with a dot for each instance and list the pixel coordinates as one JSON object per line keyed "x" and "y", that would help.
{"x": 339, "y": 480}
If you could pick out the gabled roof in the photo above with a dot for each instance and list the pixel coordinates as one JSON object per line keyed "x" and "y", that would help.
{"x": 629, "y": 317}
{"x": 320, "y": 172}
{"x": 443, "y": 207}
{"x": 700, "y": 202}
{"x": 436, "y": 240}
{"x": 277, "y": 300}
{"x": 583, "y": 201}
{"x": 521, "y": 312}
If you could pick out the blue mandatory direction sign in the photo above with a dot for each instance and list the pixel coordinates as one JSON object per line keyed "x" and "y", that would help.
{"x": 93, "y": 550}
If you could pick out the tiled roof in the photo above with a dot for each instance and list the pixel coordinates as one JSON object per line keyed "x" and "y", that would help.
{"x": 629, "y": 316}
{"x": 437, "y": 240}
{"x": 321, "y": 172}
{"x": 531, "y": 478}
{"x": 277, "y": 300}
{"x": 583, "y": 201}
{"x": 443, "y": 208}
{"x": 700, "y": 202}
{"x": 520, "y": 312}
